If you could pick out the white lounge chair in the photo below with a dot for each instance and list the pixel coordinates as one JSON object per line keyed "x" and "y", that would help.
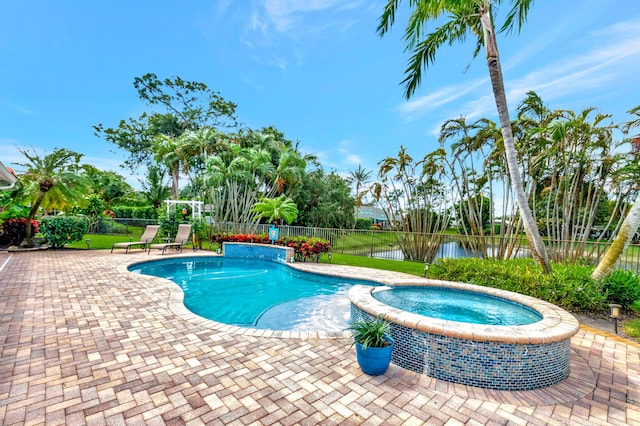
{"x": 147, "y": 237}
{"x": 182, "y": 237}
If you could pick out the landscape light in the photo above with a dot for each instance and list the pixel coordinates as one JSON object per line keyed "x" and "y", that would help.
{"x": 615, "y": 314}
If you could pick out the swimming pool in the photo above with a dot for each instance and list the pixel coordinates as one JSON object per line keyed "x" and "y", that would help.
{"x": 257, "y": 293}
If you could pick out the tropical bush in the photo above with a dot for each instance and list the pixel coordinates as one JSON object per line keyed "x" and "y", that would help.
{"x": 221, "y": 237}
{"x": 622, "y": 287}
{"x": 132, "y": 212}
{"x": 106, "y": 225}
{"x": 61, "y": 230}
{"x": 306, "y": 248}
{"x": 364, "y": 223}
{"x": 12, "y": 231}
{"x": 568, "y": 286}
{"x": 169, "y": 222}
{"x": 200, "y": 230}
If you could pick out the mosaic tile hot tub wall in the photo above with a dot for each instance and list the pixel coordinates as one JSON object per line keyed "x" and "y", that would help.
{"x": 489, "y": 365}
{"x": 258, "y": 251}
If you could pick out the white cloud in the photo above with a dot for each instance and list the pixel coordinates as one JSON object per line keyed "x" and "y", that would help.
{"x": 614, "y": 52}
{"x": 605, "y": 63}
{"x": 347, "y": 158}
{"x": 279, "y": 62}
{"x": 296, "y": 22}
{"x": 22, "y": 109}
{"x": 286, "y": 15}
{"x": 10, "y": 154}
{"x": 423, "y": 105}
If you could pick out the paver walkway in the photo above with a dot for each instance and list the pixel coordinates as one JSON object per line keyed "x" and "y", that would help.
{"x": 82, "y": 341}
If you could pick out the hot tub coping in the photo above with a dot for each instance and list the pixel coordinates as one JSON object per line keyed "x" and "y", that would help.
{"x": 556, "y": 324}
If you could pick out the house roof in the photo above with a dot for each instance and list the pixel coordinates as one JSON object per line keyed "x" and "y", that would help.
{"x": 8, "y": 177}
{"x": 370, "y": 212}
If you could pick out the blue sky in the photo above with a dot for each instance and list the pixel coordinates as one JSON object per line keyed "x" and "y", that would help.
{"x": 314, "y": 69}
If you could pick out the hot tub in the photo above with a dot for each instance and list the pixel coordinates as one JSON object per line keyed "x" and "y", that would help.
{"x": 504, "y": 357}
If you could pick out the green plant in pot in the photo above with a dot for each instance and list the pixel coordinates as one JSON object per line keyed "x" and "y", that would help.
{"x": 373, "y": 344}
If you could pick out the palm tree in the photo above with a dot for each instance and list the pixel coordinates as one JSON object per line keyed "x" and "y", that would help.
{"x": 155, "y": 190}
{"x": 276, "y": 209}
{"x": 51, "y": 182}
{"x": 166, "y": 151}
{"x": 360, "y": 177}
{"x": 472, "y": 16}
{"x": 629, "y": 226}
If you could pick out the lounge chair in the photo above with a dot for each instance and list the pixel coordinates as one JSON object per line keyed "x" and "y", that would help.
{"x": 147, "y": 237}
{"x": 182, "y": 237}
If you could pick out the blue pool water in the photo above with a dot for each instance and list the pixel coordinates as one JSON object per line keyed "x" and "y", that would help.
{"x": 257, "y": 293}
{"x": 455, "y": 305}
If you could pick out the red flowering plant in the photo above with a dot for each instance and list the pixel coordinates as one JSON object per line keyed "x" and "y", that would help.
{"x": 304, "y": 248}
{"x": 221, "y": 237}
{"x": 307, "y": 248}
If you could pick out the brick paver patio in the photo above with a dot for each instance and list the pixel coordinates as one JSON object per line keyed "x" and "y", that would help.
{"x": 83, "y": 341}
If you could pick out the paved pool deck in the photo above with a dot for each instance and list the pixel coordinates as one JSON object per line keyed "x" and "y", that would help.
{"x": 83, "y": 341}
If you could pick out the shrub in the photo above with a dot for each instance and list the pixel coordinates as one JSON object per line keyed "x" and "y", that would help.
{"x": 306, "y": 248}
{"x": 14, "y": 211}
{"x": 200, "y": 230}
{"x": 13, "y": 231}
{"x": 363, "y": 223}
{"x": 569, "y": 286}
{"x": 110, "y": 226}
{"x": 132, "y": 212}
{"x": 169, "y": 223}
{"x": 60, "y": 230}
{"x": 574, "y": 289}
{"x": 622, "y": 287}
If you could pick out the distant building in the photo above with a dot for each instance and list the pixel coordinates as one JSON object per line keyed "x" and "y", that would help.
{"x": 376, "y": 215}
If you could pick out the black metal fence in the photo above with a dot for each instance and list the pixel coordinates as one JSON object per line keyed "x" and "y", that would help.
{"x": 389, "y": 244}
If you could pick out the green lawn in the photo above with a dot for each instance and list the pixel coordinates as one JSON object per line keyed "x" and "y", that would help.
{"x": 408, "y": 267}
{"x": 101, "y": 241}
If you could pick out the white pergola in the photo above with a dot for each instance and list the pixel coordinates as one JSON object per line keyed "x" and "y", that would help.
{"x": 196, "y": 206}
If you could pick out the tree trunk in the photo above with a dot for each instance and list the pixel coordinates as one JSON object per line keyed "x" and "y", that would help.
{"x": 175, "y": 176}
{"x": 28, "y": 239}
{"x": 625, "y": 234}
{"x": 538, "y": 250}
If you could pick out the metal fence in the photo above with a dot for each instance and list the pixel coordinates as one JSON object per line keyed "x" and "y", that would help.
{"x": 107, "y": 225}
{"x": 388, "y": 244}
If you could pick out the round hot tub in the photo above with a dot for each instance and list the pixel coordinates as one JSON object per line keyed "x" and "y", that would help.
{"x": 482, "y": 349}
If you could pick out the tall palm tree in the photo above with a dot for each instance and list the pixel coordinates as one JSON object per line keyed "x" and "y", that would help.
{"x": 166, "y": 152}
{"x": 360, "y": 177}
{"x": 52, "y": 182}
{"x": 475, "y": 17}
